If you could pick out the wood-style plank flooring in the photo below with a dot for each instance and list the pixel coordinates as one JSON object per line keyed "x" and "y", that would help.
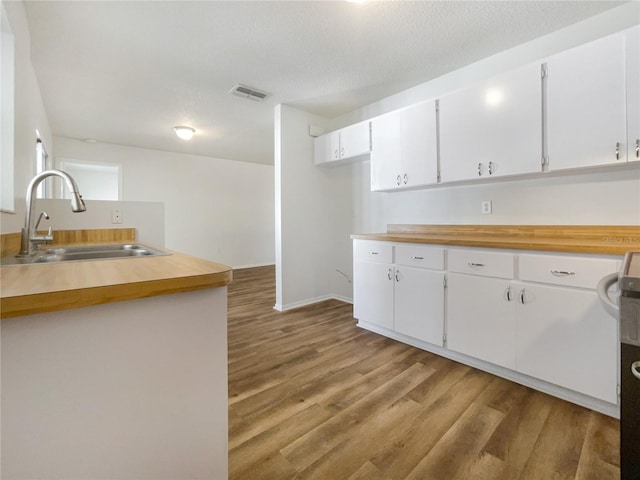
{"x": 312, "y": 396}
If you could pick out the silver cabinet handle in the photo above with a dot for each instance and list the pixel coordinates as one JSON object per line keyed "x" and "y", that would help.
{"x": 336, "y": 154}
{"x": 490, "y": 168}
{"x": 638, "y": 148}
{"x": 397, "y": 275}
{"x": 522, "y": 296}
{"x": 398, "y": 181}
{"x": 373, "y": 253}
{"x": 405, "y": 178}
{"x": 389, "y": 274}
{"x": 561, "y": 273}
{"x": 342, "y": 152}
{"x": 635, "y": 369}
{"x": 507, "y": 293}
{"x": 617, "y": 150}
{"x": 475, "y": 265}
{"x": 417, "y": 258}
{"x": 479, "y": 169}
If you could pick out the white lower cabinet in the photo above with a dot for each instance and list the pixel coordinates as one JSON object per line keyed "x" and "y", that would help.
{"x": 480, "y": 320}
{"x": 537, "y": 314}
{"x": 406, "y": 296}
{"x": 564, "y": 337}
{"x": 373, "y": 293}
{"x": 419, "y": 304}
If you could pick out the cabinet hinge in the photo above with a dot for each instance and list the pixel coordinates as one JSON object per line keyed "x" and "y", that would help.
{"x": 444, "y": 340}
{"x": 543, "y": 70}
{"x": 544, "y": 160}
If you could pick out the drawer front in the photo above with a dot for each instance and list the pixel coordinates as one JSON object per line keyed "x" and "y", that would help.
{"x": 582, "y": 272}
{"x": 420, "y": 256}
{"x": 373, "y": 251}
{"x": 481, "y": 262}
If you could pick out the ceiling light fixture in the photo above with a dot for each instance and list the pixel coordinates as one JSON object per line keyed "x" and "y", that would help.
{"x": 185, "y": 133}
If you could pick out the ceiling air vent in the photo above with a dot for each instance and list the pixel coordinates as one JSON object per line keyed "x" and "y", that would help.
{"x": 248, "y": 92}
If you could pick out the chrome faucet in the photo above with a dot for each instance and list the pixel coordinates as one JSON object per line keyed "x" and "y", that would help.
{"x": 30, "y": 238}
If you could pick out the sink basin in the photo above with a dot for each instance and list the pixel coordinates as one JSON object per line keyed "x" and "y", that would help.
{"x": 88, "y": 252}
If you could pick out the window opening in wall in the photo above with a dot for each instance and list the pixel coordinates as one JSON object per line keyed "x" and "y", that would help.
{"x": 7, "y": 68}
{"x": 96, "y": 180}
{"x": 42, "y": 163}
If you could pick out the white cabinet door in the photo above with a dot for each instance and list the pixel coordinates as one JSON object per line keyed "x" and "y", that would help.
{"x": 419, "y": 145}
{"x": 586, "y": 105}
{"x": 322, "y": 149}
{"x": 481, "y": 319}
{"x": 633, "y": 93}
{"x": 342, "y": 144}
{"x": 373, "y": 293}
{"x": 386, "y": 151}
{"x": 493, "y": 128}
{"x": 565, "y": 337}
{"x": 354, "y": 140}
{"x": 334, "y": 146}
{"x": 419, "y": 304}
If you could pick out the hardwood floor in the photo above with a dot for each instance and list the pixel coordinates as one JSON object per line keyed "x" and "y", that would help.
{"x": 312, "y": 396}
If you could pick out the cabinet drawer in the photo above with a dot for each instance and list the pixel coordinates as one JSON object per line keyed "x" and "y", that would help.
{"x": 583, "y": 272}
{"x": 480, "y": 262}
{"x": 373, "y": 251}
{"x": 420, "y": 256}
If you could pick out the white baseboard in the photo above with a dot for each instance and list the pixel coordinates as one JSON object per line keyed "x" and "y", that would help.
{"x": 303, "y": 303}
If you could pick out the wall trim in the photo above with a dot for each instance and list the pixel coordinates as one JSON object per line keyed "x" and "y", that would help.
{"x": 310, "y": 301}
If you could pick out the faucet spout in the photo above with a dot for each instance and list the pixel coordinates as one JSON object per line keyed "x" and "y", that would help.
{"x": 28, "y": 231}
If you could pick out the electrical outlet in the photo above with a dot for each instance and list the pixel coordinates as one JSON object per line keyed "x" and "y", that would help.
{"x": 486, "y": 207}
{"x": 116, "y": 215}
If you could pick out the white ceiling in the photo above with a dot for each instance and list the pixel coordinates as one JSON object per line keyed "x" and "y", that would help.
{"x": 126, "y": 72}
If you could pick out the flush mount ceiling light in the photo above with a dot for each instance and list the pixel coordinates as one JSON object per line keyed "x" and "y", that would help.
{"x": 185, "y": 133}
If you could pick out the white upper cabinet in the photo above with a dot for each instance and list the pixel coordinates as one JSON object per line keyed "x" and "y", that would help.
{"x": 347, "y": 143}
{"x": 493, "y": 128}
{"x": 586, "y": 105}
{"x": 419, "y": 145}
{"x": 386, "y": 147}
{"x": 633, "y": 93}
{"x": 404, "y": 152}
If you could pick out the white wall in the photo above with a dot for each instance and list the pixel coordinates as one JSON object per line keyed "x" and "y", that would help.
{"x": 596, "y": 198}
{"x": 29, "y": 116}
{"x": 146, "y": 217}
{"x": 221, "y": 210}
{"x": 313, "y": 210}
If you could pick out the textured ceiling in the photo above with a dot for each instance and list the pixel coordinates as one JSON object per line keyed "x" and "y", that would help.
{"x": 127, "y": 72}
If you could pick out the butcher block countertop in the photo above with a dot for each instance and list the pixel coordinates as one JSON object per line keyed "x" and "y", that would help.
{"x": 608, "y": 240}
{"x": 47, "y": 287}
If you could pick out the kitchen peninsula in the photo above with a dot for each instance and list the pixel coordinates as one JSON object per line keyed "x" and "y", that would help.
{"x": 115, "y": 369}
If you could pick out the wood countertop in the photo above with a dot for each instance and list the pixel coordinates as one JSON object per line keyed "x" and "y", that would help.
{"x": 608, "y": 240}
{"x": 39, "y": 288}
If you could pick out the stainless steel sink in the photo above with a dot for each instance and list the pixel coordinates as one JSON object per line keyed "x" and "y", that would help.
{"x": 89, "y": 252}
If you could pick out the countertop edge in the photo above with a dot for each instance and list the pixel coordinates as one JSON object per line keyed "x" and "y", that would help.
{"x": 105, "y": 282}
{"x": 535, "y": 244}
{"x": 17, "y": 306}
